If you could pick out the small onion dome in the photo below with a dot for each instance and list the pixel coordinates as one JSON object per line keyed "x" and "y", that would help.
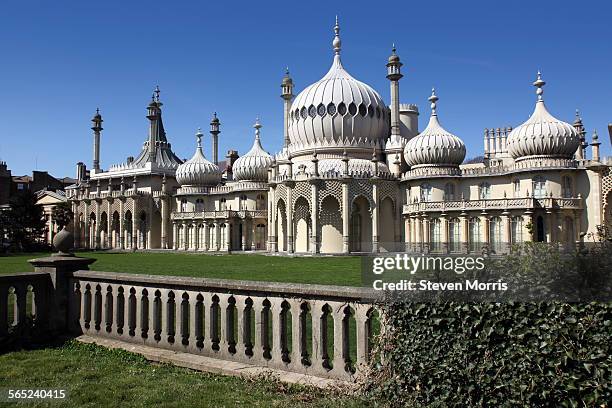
{"x": 434, "y": 146}
{"x": 254, "y": 164}
{"x": 287, "y": 79}
{"x": 394, "y": 58}
{"x": 198, "y": 171}
{"x": 543, "y": 135}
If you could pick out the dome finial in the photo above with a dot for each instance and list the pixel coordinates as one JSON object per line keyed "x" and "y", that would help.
{"x": 156, "y": 93}
{"x": 199, "y": 135}
{"x": 539, "y": 83}
{"x": 433, "y": 99}
{"x": 337, "y": 43}
{"x": 257, "y": 126}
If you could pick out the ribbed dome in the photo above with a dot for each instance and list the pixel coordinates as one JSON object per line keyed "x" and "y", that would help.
{"x": 543, "y": 135}
{"x": 337, "y": 111}
{"x": 198, "y": 171}
{"x": 434, "y": 146}
{"x": 255, "y": 163}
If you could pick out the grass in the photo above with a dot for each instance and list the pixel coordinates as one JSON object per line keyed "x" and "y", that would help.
{"x": 95, "y": 376}
{"x": 344, "y": 271}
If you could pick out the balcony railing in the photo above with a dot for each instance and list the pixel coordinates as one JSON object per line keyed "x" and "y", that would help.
{"x": 219, "y": 214}
{"x": 499, "y": 204}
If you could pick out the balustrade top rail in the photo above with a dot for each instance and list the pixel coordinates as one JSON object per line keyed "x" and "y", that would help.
{"x": 500, "y": 203}
{"x": 345, "y": 293}
{"x": 23, "y": 276}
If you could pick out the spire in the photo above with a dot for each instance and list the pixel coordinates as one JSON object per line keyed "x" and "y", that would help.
{"x": 199, "y": 135}
{"x": 257, "y": 126}
{"x": 214, "y": 131}
{"x": 97, "y": 128}
{"x": 337, "y": 43}
{"x": 433, "y": 99}
{"x": 539, "y": 83}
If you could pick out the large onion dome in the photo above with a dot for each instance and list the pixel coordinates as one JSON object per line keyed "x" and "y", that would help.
{"x": 542, "y": 135}
{"x": 254, "y": 164}
{"x": 198, "y": 171}
{"x": 434, "y": 146}
{"x": 337, "y": 111}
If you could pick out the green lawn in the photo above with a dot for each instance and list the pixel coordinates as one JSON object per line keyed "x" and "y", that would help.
{"x": 95, "y": 376}
{"x": 320, "y": 270}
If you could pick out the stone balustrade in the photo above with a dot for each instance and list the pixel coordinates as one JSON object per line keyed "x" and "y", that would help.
{"x": 500, "y": 203}
{"x": 304, "y": 329}
{"x": 24, "y": 302}
{"x": 223, "y": 214}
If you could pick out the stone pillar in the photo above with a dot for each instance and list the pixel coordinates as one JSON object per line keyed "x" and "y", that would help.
{"x": 549, "y": 226}
{"x": 484, "y": 229}
{"x": 271, "y": 244}
{"x": 243, "y": 238}
{"x": 407, "y": 235}
{"x": 164, "y": 222}
{"x": 86, "y": 220}
{"x": 135, "y": 223}
{"x": 289, "y": 220}
{"x": 254, "y": 223}
{"x": 507, "y": 234}
{"x": 465, "y": 232}
{"x": 528, "y": 220}
{"x": 228, "y": 247}
{"x": 314, "y": 215}
{"x": 187, "y": 244}
{"x": 97, "y": 246}
{"x": 346, "y": 216}
{"x": 426, "y": 235}
{"x": 443, "y": 233}
{"x": 121, "y": 223}
{"x": 375, "y": 213}
{"x": 174, "y": 236}
{"x": 149, "y": 224}
{"x": 60, "y": 269}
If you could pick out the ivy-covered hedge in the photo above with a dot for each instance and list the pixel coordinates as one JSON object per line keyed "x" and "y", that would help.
{"x": 494, "y": 354}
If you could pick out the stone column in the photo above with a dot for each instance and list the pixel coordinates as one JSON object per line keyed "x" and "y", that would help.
{"x": 272, "y": 226}
{"x": 465, "y": 232}
{"x": 98, "y": 225}
{"x": 174, "y": 235}
{"x": 426, "y": 235}
{"x": 243, "y": 238}
{"x": 228, "y": 246}
{"x": 346, "y": 216}
{"x": 314, "y": 215}
{"x": 86, "y": 220}
{"x": 289, "y": 220}
{"x": 149, "y": 224}
{"x": 206, "y": 236}
{"x": 549, "y": 226}
{"x": 443, "y": 233}
{"x": 528, "y": 219}
{"x": 407, "y": 238}
{"x": 109, "y": 223}
{"x": 186, "y": 236}
{"x": 507, "y": 225}
{"x": 254, "y": 223}
{"x": 121, "y": 221}
{"x": 484, "y": 229}
{"x": 164, "y": 222}
{"x": 135, "y": 224}
{"x": 375, "y": 213}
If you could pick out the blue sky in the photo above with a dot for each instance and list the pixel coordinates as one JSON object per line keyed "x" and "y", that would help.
{"x": 60, "y": 60}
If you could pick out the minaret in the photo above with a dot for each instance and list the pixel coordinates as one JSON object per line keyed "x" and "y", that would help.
{"x": 394, "y": 75}
{"x": 580, "y": 153}
{"x": 155, "y": 126}
{"x": 97, "y": 129}
{"x": 214, "y": 131}
{"x": 287, "y": 95}
{"x": 595, "y": 145}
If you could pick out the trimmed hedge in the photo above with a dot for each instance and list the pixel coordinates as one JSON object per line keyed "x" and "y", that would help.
{"x": 494, "y": 354}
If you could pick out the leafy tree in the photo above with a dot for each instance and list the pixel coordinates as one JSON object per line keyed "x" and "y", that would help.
{"x": 25, "y": 220}
{"x": 62, "y": 214}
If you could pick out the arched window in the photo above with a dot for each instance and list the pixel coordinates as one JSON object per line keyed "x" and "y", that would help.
{"x": 449, "y": 191}
{"x": 567, "y": 188}
{"x": 199, "y": 204}
{"x": 495, "y": 234}
{"x": 474, "y": 235}
{"x": 261, "y": 202}
{"x": 184, "y": 205}
{"x": 539, "y": 187}
{"x": 516, "y": 232}
{"x": 484, "y": 191}
{"x": 435, "y": 231}
{"x": 516, "y": 188}
{"x": 454, "y": 235}
{"x": 425, "y": 192}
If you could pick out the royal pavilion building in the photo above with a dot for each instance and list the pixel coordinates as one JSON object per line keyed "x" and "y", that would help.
{"x": 354, "y": 175}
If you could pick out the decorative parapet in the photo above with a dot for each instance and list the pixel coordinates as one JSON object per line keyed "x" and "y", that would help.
{"x": 241, "y": 321}
{"x": 493, "y": 204}
{"x": 213, "y": 215}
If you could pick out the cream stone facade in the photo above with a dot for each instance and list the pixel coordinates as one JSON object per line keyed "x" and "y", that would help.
{"x": 354, "y": 176}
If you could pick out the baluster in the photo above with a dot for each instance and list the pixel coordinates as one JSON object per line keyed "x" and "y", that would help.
{"x": 363, "y": 336}
{"x": 207, "y": 330}
{"x": 259, "y": 332}
{"x": 163, "y": 341}
{"x": 107, "y": 309}
{"x": 241, "y": 330}
{"x": 298, "y": 330}
{"x": 3, "y": 310}
{"x": 340, "y": 338}
{"x": 193, "y": 324}
{"x": 153, "y": 318}
{"x": 277, "y": 347}
{"x": 225, "y": 326}
{"x": 318, "y": 346}
{"x": 183, "y": 312}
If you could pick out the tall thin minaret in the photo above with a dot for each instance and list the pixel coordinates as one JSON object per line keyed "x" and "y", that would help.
{"x": 97, "y": 129}
{"x": 155, "y": 124}
{"x": 394, "y": 75}
{"x": 214, "y": 131}
{"x": 287, "y": 95}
